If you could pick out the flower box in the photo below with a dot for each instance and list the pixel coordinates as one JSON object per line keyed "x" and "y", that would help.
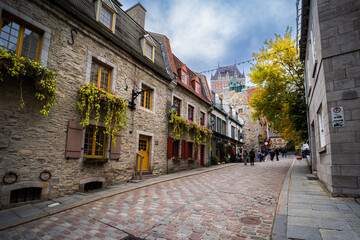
{"x": 191, "y": 159}
{"x": 95, "y": 160}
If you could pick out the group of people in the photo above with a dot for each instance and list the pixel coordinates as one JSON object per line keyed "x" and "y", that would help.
{"x": 250, "y": 156}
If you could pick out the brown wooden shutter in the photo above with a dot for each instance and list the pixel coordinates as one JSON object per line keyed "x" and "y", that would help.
{"x": 183, "y": 149}
{"x": 170, "y": 146}
{"x": 186, "y": 149}
{"x": 74, "y": 140}
{"x": 115, "y": 150}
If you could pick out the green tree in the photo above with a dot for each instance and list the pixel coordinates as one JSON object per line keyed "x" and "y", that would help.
{"x": 279, "y": 77}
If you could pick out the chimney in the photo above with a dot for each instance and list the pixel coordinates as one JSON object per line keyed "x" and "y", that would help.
{"x": 137, "y": 13}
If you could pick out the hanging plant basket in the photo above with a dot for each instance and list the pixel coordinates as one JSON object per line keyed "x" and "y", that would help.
{"x": 25, "y": 69}
{"x": 94, "y": 99}
{"x": 181, "y": 125}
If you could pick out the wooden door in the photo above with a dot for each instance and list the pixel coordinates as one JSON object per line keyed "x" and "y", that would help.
{"x": 144, "y": 150}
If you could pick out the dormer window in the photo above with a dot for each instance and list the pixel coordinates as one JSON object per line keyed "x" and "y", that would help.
{"x": 197, "y": 87}
{"x": 106, "y": 16}
{"x": 184, "y": 77}
{"x": 148, "y": 47}
{"x": 149, "y": 50}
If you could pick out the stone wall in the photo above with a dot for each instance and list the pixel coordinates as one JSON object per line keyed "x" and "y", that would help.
{"x": 335, "y": 82}
{"x": 175, "y": 165}
{"x": 31, "y": 143}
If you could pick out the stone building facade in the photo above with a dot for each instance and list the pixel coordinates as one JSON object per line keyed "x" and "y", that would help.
{"x": 190, "y": 94}
{"x": 329, "y": 46}
{"x": 74, "y": 38}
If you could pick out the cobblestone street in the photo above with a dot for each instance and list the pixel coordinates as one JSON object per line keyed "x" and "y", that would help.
{"x": 236, "y": 202}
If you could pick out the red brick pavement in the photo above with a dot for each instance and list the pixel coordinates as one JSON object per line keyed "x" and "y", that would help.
{"x": 237, "y": 202}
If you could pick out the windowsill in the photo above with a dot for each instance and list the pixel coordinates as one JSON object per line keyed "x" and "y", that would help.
{"x": 322, "y": 149}
{"x": 94, "y": 160}
{"x": 147, "y": 110}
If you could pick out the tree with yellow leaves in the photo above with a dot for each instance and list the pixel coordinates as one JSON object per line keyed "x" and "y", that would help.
{"x": 279, "y": 77}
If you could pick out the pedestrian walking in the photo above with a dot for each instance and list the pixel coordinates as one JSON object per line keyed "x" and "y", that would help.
{"x": 252, "y": 157}
{"x": 285, "y": 152}
{"x": 272, "y": 154}
{"x": 277, "y": 152}
{"x": 246, "y": 157}
{"x": 282, "y": 152}
{"x": 259, "y": 156}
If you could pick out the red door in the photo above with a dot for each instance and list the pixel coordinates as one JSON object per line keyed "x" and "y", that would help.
{"x": 202, "y": 152}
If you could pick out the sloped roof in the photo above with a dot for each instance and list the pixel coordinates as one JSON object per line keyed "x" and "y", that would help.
{"x": 232, "y": 70}
{"x": 127, "y": 32}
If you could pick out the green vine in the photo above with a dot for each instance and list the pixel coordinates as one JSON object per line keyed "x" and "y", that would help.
{"x": 25, "y": 69}
{"x": 94, "y": 98}
{"x": 180, "y": 124}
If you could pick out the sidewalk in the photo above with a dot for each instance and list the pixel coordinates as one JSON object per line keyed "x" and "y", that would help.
{"x": 27, "y": 213}
{"x": 305, "y": 211}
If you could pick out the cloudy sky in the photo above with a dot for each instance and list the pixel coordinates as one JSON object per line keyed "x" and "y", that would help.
{"x": 205, "y": 33}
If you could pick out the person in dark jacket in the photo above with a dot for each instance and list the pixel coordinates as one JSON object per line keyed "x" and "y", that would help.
{"x": 272, "y": 154}
{"x": 252, "y": 157}
{"x": 277, "y": 152}
{"x": 246, "y": 157}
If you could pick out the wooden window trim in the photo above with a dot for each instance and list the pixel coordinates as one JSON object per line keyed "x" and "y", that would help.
{"x": 145, "y": 94}
{"x": 152, "y": 52}
{"x": 180, "y": 101}
{"x": 23, "y": 24}
{"x": 113, "y": 16}
{"x": 101, "y": 66}
{"x": 94, "y": 144}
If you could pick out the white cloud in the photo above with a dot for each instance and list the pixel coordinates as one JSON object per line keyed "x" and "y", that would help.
{"x": 205, "y": 32}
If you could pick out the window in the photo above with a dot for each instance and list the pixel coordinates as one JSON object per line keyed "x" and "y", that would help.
{"x": 190, "y": 113}
{"x": 106, "y": 17}
{"x": 232, "y": 132}
{"x": 91, "y": 186}
{"x": 20, "y": 38}
{"x": 241, "y": 110}
{"x": 94, "y": 147}
{"x": 100, "y": 75}
{"x": 213, "y": 122}
{"x": 190, "y": 149}
{"x": 184, "y": 77}
{"x": 321, "y": 128}
{"x": 146, "y": 97}
{"x": 202, "y": 119}
{"x": 197, "y": 87}
{"x": 25, "y": 194}
{"x": 175, "y": 148}
{"x": 219, "y": 125}
{"x": 221, "y": 103}
{"x": 237, "y": 116}
{"x": 178, "y": 103}
{"x": 149, "y": 50}
{"x": 224, "y": 127}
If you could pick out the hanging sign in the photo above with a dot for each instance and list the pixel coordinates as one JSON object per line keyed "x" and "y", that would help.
{"x": 337, "y": 117}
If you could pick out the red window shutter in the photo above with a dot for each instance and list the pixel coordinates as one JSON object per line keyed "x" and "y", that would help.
{"x": 74, "y": 140}
{"x": 196, "y": 151}
{"x": 115, "y": 149}
{"x": 183, "y": 146}
{"x": 186, "y": 149}
{"x": 170, "y": 145}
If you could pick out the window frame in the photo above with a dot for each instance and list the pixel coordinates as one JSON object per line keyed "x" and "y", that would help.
{"x": 152, "y": 52}
{"x": 322, "y": 140}
{"x": 179, "y": 107}
{"x": 144, "y": 95}
{"x": 213, "y": 117}
{"x": 20, "y": 39}
{"x": 101, "y": 66}
{"x": 233, "y": 132}
{"x": 197, "y": 85}
{"x": 193, "y": 112}
{"x": 176, "y": 148}
{"x": 223, "y": 128}
{"x": 190, "y": 149}
{"x": 218, "y": 125}
{"x": 113, "y": 16}
{"x": 94, "y": 142}
{"x": 202, "y": 120}
{"x": 183, "y": 73}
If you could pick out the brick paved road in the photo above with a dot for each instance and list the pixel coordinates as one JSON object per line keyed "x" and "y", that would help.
{"x": 237, "y": 202}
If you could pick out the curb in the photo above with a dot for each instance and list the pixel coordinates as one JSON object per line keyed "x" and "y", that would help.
{"x": 83, "y": 202}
